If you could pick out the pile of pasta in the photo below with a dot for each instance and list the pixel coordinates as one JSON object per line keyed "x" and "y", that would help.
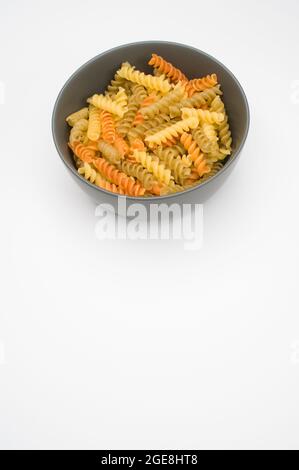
{"x": 151, "y": 134}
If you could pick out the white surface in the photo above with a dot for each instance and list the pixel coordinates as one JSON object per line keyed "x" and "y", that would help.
{"x": 119, "y": 344}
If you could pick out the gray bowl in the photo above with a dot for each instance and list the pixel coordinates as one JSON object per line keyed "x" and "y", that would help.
{"x": 95, "y": 75}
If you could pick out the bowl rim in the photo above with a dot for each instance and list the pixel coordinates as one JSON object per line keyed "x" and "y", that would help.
{"x": 230, "y": 161}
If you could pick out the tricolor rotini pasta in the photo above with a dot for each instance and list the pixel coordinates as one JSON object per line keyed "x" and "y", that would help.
{"x": 151, "y": 134}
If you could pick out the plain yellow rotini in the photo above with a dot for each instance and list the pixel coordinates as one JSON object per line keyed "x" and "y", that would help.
{"x": 148, "y": 81}
{"x": 94, "y": 123}
{"x": 173, "y": 131}
{"x": 210, "y": 117}
{"x": 78, "y": 131}
{"x": 75, "y": 117}
{"x": 153, "y": 165}
{"x": 107, "y": 104}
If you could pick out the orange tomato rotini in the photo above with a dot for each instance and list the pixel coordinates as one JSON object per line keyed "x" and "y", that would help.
{"x": 139, "y": 118}
{"x": 201, "y": 84}
{"x": 128, "y": 184}
{"x": 167, "y": 69}
{"x": 82, "y": 152}
{"x": 196, "y": 155}
{"x": 121, "y": 145}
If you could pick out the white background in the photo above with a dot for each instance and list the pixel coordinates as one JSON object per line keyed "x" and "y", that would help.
{"x": 122, "y": 344}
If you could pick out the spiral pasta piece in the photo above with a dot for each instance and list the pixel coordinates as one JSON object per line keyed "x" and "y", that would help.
{"x": 196, "y": 155}
{"x": 121, "y": 98}
{"x": 173, "y": 131}
{"x": 81, "y": 152}
{"x": 200, "y": 84}
{"x": 172, "y": 161}
{"x": 215, "y": 167}
{"x": 162, "y": 106}
{"x": 116, "y": 83}
{"x": 108, "y": 127}
{"x": 140, "y": 130}
{"x": 206, "y": 138}
{"x": 210, "y": 117}
{"x": 171, "y": 187}
{"x": 148, "y": 81}
{"x": 153, "y": 165}
{"x": 142, "y": 174}
{"x": 127, "y": 184}
{"x": 147, "y": 102}
{"x": 109, "y": 152}
{"x": 94, "y": 177}
{"x": 166, "y": 68}
{"x": 77, "y": 116}
{"x": 137, "y": 144}
{"x": 138, "y": 95}
{"x": 91, "y": 145}
{"x": 78, "y": 131}
{"x": 225, "y": 136}
{"x": 121, "y": 145}
{"x": 220, "y": 153}
{"x": 198, "y": 100}
{"x": 139, "y": 92}
{"x": 94, "y": 123}
{"x": 107, "y": 104}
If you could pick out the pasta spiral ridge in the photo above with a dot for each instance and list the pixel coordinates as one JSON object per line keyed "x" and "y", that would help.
{"x": 108, "y": 127}
{"x": 142, "y": 174}
{"x": 125, "y": 124}
{"x": 109, "y": 152}
{"x": 217, "y": 105}
{"x": 115, "y": 83}
{"x": 81, "y": 152}
{"x": 167, "y": 69}
{"x": 138, "y": 95}
{"x": 107, "y": 104}
{"x": 173, "y": 131}
{"x": 121, "y": 99}
{"x": 140, "y": 130}
{"x": 127, "y": 184}
{"x": 148, "y": 81}
{"x": 209, "y": 117}
{"x": 220, "y": 153}
{"x": 206, "y": 138}
{"x": 77, "y": 116}
{"x": 94, "y": 123}
{"x": 153, "y": 165}
{"x": 138, "y": 92}
{"x": 196, "y": 155}
{"x": 162, "y": 105}
{"x": 94, "y": 177}
{"x": 78, "y": 131}
{"x": 147, "y": 101}
{"x": 198, "y": 100}
{"x": 215, "y": 167}
{"x": 179, "y": 170}
{"x": 121, "y": 145}
{"x": 200, "y": 84}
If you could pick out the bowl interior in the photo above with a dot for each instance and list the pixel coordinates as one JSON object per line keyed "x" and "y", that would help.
{"x": 95, "y": 75}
